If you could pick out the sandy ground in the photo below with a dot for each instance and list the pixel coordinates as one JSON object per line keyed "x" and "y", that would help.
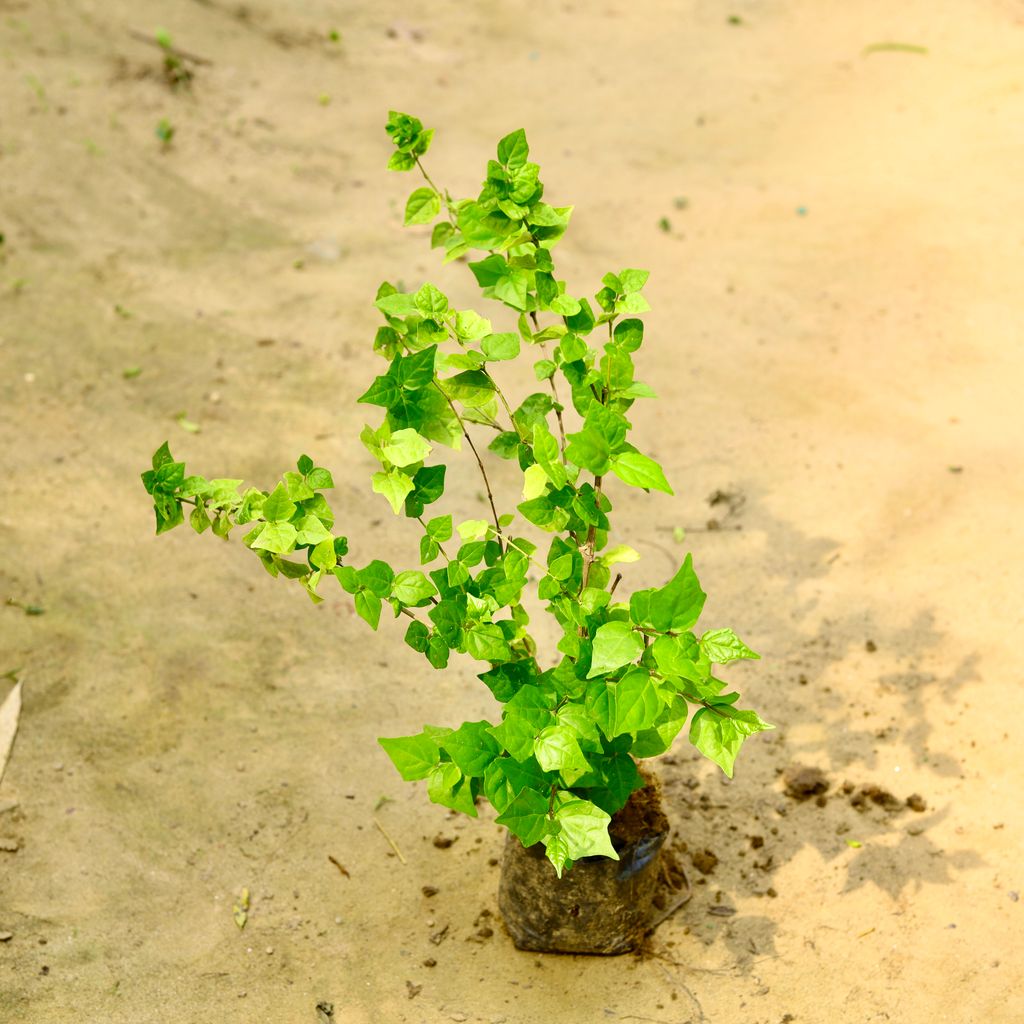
{"x": 835, "y": 337}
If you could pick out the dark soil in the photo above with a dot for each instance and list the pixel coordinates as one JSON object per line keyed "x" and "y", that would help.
{"x": 642, "y": 816}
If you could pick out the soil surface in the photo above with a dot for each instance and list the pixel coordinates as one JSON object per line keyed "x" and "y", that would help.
{"x": 833, "y": 230}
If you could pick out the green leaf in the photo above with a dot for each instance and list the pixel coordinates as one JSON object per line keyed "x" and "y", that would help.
{"x": 384, "y": 391}
{"x": 396, "y": 304}
{"x": 615, "y": 645}
{"x": 406, "y": 447}
{"x": 413, "y": 756}
{"x": 377, "y": 577}
{"x": 312, "y": 531}
{"x": 557, "y": 750}
{"x": 368, "y": 607}
{"x": 629, "y": 334}
{"x": 676, "y": 606}
{"x": 545, "y": 451}
{"x": 513, "y": 149}
{"x": 324, "y": 556}
{"x": 486, "y": 642}
{"x": 415, "y": 372}
{"x": 506, "y": 444}
{"x": 199, "y": 519}
{"x": 431, "y": 301}
{"x": 298, "y": 489}
{"x": 723, "y": 646}
{"x": 470, "y": 326}
{"x": 422, "y": 206}
{"x": 394, "y": 485}
{"x": 640, "y": 471}
{"x": 278, "y": 508}
{"x": 417, "y": 636}
{"x": 630, "y": 705}
{"x": 719, "y": 731}
{"x": 584, "y": 826}
{"x": 447, "y": 786}
{"x": 428, "y": 484}
{"x": 278, "y": 538}
{"x": 658, "y": 739}
{"x": 535, "y": 482}
{"x": 411, "y": 587}
{"x": 527, "y": 817}
{"x": 589, "y": 449}
{"x": 557, "y": 848}
{"x": 441, "y": 234}
{"x": 401, "y": 162}
{"x": 500, "y": 346}
{"x": 472, "y": 748}
{"x": 679, "y": 656}
{"x": 440, "y": 528}
{"x": 633, "y": 280}
{"x": 320, "y": 479}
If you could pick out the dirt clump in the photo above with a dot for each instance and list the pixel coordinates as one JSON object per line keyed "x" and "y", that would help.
{"x": 704, "y": 861}
{"x": 872, "y": 794}
{"x": 803, "y": 782}
{"x": 916, "y": 802}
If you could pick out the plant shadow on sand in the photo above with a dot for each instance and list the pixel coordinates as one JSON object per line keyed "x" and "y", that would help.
{"x": 851, "y": 699}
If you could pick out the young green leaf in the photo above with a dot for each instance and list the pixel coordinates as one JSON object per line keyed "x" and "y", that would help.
{"x": 557, "y": 750}
{"x": 639, "y": 471}
{"x": 422, "y": 206}
{"x": 630, "y": 705}
{"x": 412, "y": 588}
{"x": 472, "y": 747}
{"x": 719, "y": 731}
{"x": 405, "y": 448}
{"x": 368, "y": 607}
{"x": 723, "y": 646}
{"x": 584, "y": 826}
{"x": 527, "y": 817}
{"x": 413, "y": 756}
{"x": 394, "y": 485}
{"x": 615, "y": 645}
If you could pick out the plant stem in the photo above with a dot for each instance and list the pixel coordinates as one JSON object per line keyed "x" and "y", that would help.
{"x": 479, "y": 461}
{"x": 588, "y": 545}
{"x": 554, "y": 391}
{"x": 443, "y": 195}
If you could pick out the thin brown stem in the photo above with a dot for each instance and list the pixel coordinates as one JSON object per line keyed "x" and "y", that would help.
{"x": 554, "y": 392}
{"x": 589, "y": 552}
{"x": 479, "y": 461}
{"x": 618, "y": 580}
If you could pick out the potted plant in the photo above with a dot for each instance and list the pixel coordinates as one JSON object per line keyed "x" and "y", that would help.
{"x": 559, "y": 765}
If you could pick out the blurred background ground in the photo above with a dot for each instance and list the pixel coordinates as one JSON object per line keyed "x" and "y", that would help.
{"x": 834, "y": 238}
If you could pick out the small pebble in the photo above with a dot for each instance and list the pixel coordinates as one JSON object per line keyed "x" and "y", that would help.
{"x": 6, "y": 936}
{"x": 1015, "y": 896}
{"x": 270, "y": 950}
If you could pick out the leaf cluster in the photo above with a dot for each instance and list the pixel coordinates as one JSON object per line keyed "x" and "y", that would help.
{"x": 628, "y": 674}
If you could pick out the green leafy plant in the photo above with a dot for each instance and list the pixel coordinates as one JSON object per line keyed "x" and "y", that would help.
{"x": 626, "y": 674}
